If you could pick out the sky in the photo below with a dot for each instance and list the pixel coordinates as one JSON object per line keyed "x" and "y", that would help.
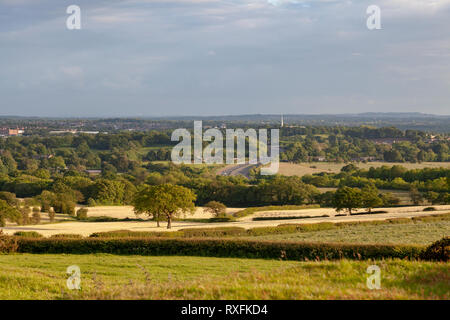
{"x": 143, "y": 58}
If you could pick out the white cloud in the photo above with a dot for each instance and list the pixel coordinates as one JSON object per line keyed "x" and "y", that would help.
{"x": 414, "y": 7}
{"x": 72, "y": 71}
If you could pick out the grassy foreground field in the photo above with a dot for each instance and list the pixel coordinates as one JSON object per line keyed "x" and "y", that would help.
{"x": 27, "y": 276}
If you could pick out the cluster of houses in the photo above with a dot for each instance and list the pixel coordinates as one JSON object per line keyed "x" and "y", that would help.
{"x": 8, "y": 132}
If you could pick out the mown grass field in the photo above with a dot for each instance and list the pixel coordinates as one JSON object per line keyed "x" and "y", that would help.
{"x": 388, "y": 233}
{"x": 300, "y": 169}
{"x": 27, "y": 276}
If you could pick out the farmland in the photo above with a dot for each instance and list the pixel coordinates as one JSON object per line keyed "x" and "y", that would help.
{"x": 67, "y": 225}
{"x": 405, "y": 233}
{"x": 135, "y": 277}
{"x": 300, "y": 169}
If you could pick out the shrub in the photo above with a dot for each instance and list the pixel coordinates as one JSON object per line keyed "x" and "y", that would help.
{"x": 45, "y": 206}
{"x": 28, "y": 234}
{"x": 91, "y": 202}
{"x": 68, "y": 208}
{"x": 217, "y": 208}
{"x": 9, "y": 197}
{"x": 438, "y": 251}
{"x": 30, "y": 202}
{"x": 82, "y": 214}
{"x": 429, "y": 209}
{"x": 25, "y": 215}
{"x": 8, "y": 244}
{"x": 51, "y": 214}
{"x": 36, "y": 218}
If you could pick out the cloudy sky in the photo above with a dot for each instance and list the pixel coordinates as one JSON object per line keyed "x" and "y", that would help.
{"x": 213, "y": 57}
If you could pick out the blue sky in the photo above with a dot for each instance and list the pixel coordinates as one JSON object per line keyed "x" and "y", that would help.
{"x": 212, "y": 57}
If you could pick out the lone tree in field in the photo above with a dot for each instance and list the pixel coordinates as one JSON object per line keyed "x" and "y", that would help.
{"x": 217, "y": 208}
{"x": 347, "y": 198}
{"x": 370, "y": 198}
{"x": 8, "y": 212}
{"x": 165, "y": 199}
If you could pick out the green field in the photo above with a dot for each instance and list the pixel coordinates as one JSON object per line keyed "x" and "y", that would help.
{"x": 386, "y": 233}
{"x": 27, "y": 276}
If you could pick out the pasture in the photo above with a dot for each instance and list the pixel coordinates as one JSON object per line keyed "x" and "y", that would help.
{"x": 28, "y": 276}
{"x": 388, "y": 233}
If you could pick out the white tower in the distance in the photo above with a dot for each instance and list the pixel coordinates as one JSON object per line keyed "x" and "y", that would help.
{"x": 282, "y": 121}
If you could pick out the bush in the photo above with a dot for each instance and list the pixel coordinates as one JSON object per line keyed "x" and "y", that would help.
{"x": 51, "y": 214}
{"x": 25, "y": 215}
{"x": 36, "y": 218}
{"x": 28, "y": 234}
{"x": 30, "y": 202}
{"x": 219, "y": 248}
{"x": 91, "y": 202}
{"x": 429, "y": 209}
{"x": 217, "y": 208}
{"x": 9, "y": 197}
{"x": 438, "y": 251}
{"x": 45, "y": 206}
{"x": 82, "y": 214}
{"x": 68, "y": 208}
{"x": 8, "y": 244}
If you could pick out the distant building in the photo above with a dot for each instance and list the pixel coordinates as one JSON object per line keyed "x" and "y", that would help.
{"x": 73, "y": 132}
{"x": 11, "y": 132}
{"x": 93, "y": 172}
{"x": 389, "y": 141}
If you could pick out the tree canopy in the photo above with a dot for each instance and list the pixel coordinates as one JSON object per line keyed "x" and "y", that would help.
{"x": 165, "y": 199}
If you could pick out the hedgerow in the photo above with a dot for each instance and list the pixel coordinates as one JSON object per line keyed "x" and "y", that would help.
{"x": 251, "y": 210}
{"x": 213, "y": 232}
{"x": 219, "y": 248}
{"x": 288, "y": 217}
{"x": 134, "y": 234}
{"x": 28, "y": 234}
{"x": 438, "y": 251}
{"x": 66, "y": 235}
